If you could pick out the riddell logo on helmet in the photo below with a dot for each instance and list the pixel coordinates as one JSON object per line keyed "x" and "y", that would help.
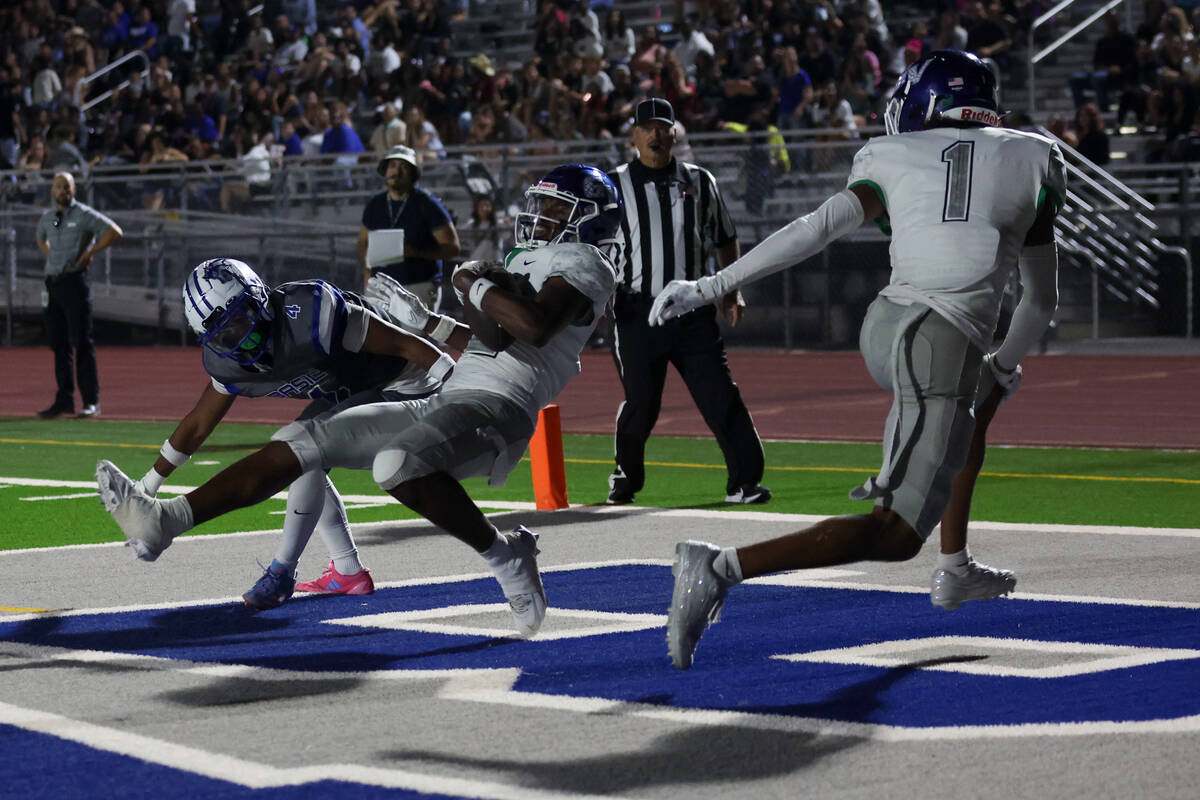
{"x": 980, "y": 115}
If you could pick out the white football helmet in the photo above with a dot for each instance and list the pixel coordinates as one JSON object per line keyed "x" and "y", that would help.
{"x": 225, "y": 303}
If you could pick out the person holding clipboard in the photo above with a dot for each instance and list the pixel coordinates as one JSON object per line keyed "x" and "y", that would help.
{"x": 406, "y": 232}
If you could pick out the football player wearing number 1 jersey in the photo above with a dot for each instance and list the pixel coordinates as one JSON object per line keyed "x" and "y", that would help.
{"x": 477, "y": 425}
{"x": 966, "y": 203}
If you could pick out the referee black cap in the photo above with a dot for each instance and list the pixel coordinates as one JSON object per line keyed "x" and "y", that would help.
{"x": 654, "y": 109}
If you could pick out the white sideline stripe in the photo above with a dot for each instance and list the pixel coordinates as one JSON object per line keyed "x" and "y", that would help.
{"x": 252, "y": 774}
{"x": 682, "y": 513}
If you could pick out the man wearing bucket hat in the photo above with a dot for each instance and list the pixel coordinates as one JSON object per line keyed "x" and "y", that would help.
{"x": 406, "y": 231}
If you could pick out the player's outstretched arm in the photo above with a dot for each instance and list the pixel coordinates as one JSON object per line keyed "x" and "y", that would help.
{"x": 407, "y": 310}
{"x": 839, "y": 215}
{"x": 191, "y": 432}
{"x": 386, "y": 339}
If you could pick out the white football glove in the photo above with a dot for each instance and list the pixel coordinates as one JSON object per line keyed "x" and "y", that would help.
{"x": 679, "y": 297}
{"x": 401, "y": 305}
{"x": 1008, "y": 382}
{"x": 476, "y": 267}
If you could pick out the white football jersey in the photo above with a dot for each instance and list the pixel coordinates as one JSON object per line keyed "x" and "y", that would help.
{"x": 960, "y": 202}
{"x": 533, "y": 376}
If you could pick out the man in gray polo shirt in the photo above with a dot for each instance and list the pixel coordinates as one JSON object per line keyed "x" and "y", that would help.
{"x": 69, "y": 235}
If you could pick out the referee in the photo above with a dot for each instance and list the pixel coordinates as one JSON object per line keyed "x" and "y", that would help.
{"x": 674, "y": 220}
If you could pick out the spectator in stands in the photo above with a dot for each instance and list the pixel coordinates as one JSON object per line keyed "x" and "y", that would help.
{"x": 988, "y": 34}
{"x": 422, "y": 135}
{"x": 691, "y": 41}
{"x": 199, "y": 123}
{"x": 1093, "y": 139}
{"x": 341, "y": 138}
{"x": 795, "y": 91}
{"x": 832, "y": 112}
{"x": 489, "y": 231}
{"x": 12, "y": 127}
{"x": 390, "y": 130}
{"x": 46, "y": 82}
{"x": 181, "y": 24}
{"x": 78, "y": 50}
{"x": 647, "y": 60}
{"x": 63, "y": 154}
{"x": 550, "y": 36}
{"x": 750, "y": 94}
{"x": 143, "y": 35}
{"x": 291, "y": 47}
{"x": 619, "y": 41}
{"x": 1135, "y": 98}
{"x": 950, "y": 34}
{"x": 29, "y": 184}
{"x": 383, "y": 59}
{"x": 116, "y": 31}
{"x": 429, "y": 233}
{"x": 253, "y": 175}
{"x": 260, "y": 43}
{"x": 1062, "y": 128}
{"x": 302, "y": 14}
{"x": 817, "y": 61}
{"x": 157, "y": 151}
{"x": 1114, "y": 58}
{"x": 858, "y": 88}
{"x": 290, "y": 141}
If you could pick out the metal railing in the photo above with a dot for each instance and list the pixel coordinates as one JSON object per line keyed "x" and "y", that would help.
{"x": 304, "y": 222}
{"x": 1036, "y": 56}
{"x": 136, "y": 55}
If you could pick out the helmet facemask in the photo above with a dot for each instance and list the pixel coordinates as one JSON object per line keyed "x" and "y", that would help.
{"x": 550, "y": 216}
{"x": 239, "y": 331}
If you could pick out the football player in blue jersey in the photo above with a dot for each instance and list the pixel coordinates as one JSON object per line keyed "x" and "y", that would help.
{"x": 311, "y": 341}
{"x": 478, "y": 424}
{"x": 967, "y": 202}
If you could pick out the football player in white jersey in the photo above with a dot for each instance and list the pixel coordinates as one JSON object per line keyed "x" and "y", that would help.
{"x": 479, "y": 424}
{"x": 967, "y": 202}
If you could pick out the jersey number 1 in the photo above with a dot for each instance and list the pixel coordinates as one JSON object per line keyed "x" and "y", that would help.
{"x": 957, "y": 158}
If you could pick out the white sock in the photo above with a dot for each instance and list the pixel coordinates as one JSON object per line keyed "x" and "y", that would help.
{"x": 955, "y": 562}
{"x": 499, "y": 552}
{"x": 334, "y": 530}
{"x": 728, "y": 565}
{"x": 176, "y": 515}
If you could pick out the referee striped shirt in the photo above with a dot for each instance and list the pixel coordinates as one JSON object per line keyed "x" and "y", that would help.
{"x": 674, "y": 219}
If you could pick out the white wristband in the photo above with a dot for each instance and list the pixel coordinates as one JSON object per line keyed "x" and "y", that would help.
{"x": 152, "y": 481}
{"x": 441, "y": 368}
{"x": 478, "y": 289}
{"x": 443, "y": 329}
{"x": 174, "y": 457}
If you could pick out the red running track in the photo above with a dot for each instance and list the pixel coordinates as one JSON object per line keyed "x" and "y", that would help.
{"x": 1069, "y": 400}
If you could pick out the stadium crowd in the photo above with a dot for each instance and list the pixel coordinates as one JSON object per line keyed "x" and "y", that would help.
{"x": 352, "y": 78}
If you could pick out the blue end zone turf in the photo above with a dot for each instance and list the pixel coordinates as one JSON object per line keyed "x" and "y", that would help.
{"x": 1012, "y": 670}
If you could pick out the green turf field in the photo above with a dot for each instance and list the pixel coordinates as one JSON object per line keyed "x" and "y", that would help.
{"x": 1072, "y": 486}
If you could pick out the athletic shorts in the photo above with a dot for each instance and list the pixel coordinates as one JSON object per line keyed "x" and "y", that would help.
{"x": 932, "y": 369}
{"x": 463, "y": 434}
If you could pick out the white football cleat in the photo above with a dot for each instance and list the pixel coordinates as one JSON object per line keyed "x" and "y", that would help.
{"x": 521, "y": 582}
{"x": 696, "y": 600}
{"x": 981, "y": 582}
{"x": 139, "y": 515}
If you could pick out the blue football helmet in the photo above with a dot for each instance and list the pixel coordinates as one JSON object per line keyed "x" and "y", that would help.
{"x": 944, "y": 86}
{"x": 571, "y": 203}
{"x": 225, "y": 303}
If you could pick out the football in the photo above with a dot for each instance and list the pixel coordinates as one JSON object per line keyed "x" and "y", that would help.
{"x": 483, "y": 327}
